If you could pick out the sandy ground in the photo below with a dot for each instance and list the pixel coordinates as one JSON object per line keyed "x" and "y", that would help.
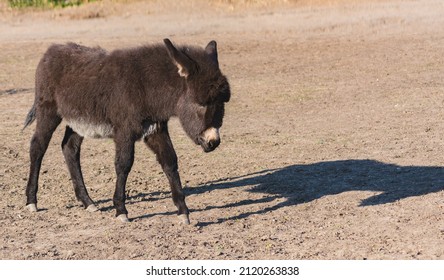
{"x": 331, "y": 147}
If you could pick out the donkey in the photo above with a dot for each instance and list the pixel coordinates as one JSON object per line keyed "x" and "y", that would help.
{"x": 127, "y": 95}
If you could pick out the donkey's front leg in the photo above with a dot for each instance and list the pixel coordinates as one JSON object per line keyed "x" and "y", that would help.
{"x": 160, "y": 143}
{"x": 123, "y": 163}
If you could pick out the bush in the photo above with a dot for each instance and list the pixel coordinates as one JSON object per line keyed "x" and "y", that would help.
{"x": 44, "y": 3}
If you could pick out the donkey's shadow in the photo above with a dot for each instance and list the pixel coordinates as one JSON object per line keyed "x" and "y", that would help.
{"x": 305, "y": 183}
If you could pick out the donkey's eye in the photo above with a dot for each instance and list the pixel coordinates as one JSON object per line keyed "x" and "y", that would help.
{"x": 205, "y": 103}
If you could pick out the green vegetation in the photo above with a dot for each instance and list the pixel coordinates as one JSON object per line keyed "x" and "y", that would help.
{"x": 45, "y": 3}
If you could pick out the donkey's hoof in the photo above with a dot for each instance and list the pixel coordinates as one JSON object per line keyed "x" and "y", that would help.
{"x": 123, "y": 218}
{"x": 31, "y": 207}
{"x": 92, "y": 208}
{"x": 184, "y": 219}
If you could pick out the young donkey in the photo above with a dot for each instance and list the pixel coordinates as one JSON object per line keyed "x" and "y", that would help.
{"x": 127, "y": 95}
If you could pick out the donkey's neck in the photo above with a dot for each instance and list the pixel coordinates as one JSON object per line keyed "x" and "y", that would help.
{"x": 162, "y": 84}
{"x": 161, "y": 100}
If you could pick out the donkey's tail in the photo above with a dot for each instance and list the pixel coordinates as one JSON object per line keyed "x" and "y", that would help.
{"x": 30, "y": 118}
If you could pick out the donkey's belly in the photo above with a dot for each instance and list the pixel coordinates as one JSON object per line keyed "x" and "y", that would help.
{"x": 91, "y": 130}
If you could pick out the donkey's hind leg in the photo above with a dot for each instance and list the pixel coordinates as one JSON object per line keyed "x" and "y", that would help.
{"x": 71, "y": 150}
{"x": 47, "y": 122}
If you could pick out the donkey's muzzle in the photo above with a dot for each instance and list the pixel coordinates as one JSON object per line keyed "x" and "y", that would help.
{"x": 209, "y": 139}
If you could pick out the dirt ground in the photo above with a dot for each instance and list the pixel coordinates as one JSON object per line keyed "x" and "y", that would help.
{"x": 332, "y": 145}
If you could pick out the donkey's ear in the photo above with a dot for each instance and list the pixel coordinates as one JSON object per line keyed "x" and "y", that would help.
{"x": 184, "y": 64}
{"x": 211, "y": 50}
